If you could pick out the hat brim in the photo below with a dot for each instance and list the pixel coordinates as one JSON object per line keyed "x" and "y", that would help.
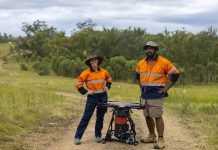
{"x": 100, "y": 60}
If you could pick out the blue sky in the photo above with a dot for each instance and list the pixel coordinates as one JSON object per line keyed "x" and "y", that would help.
{"x": 154, "y": 15}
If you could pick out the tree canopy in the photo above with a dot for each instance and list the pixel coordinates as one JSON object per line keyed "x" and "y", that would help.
{"x": 195, "y": 55}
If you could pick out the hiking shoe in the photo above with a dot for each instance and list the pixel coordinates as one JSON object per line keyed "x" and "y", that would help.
{"x": 150, "y": 139}
{"x": 98, "y": 139}
{"x": 77, "y": 141}
{"x": 160, "y": 144}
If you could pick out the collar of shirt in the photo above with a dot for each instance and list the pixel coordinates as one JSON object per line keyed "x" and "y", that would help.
{"x": 92, "y": 70}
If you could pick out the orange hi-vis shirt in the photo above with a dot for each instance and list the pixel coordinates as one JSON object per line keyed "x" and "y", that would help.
{"x": 155, "y": 74}
{"x": 94, "y": 80}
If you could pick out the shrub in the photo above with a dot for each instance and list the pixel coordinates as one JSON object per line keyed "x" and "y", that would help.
{"x": 43, "y": 69}
{"x": 23, "y": 67}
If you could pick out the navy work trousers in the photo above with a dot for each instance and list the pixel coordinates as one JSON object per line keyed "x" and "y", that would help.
{"x": 91, "y": 104}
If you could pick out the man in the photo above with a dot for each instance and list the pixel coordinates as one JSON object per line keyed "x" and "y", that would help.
{"x": 155, "y": 75}
{"x": 97, "y": 81}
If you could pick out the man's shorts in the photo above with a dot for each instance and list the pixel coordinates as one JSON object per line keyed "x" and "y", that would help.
{"x": 153, "y": 107}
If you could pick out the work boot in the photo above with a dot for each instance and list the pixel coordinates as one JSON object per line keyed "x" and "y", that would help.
{"x": 160, "y": 144}
{"x": 77, "y": 141}
{"x": 150, "y": 139}
{"x": 98, "y": 139}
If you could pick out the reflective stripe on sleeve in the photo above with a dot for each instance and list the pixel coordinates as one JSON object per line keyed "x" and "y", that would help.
{"x": 79, "y": 83}
{"x": 171, "y": 71}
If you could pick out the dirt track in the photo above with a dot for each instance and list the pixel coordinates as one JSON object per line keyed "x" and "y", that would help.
{"x": 177, "y": 135}
{"x": 1, "y": 68}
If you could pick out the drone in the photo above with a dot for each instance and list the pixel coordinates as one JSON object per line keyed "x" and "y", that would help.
{"x": 121, "y": 127}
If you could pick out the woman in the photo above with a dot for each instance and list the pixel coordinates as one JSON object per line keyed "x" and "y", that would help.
{"x": 97, "y": 81}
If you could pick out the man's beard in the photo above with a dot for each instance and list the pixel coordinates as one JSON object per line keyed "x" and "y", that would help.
{"x": 150, "y": 55}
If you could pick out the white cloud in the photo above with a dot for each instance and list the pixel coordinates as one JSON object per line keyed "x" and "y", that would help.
{"x": 155, "y": 15}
